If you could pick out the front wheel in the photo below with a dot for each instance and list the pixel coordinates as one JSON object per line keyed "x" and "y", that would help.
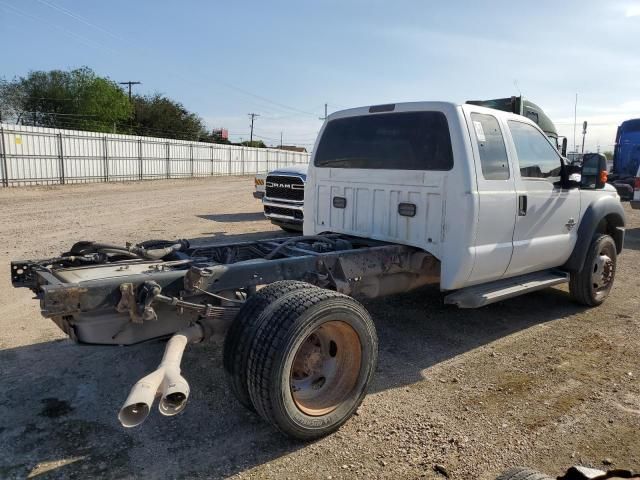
{"x": 592, "y": 284}
{"x": 311, "y": 362}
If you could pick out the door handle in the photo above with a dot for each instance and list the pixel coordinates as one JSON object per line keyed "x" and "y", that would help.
{"x": 522, "y": 205}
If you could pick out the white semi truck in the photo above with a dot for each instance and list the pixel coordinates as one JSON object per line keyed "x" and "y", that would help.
{"x": 475, "y": 201}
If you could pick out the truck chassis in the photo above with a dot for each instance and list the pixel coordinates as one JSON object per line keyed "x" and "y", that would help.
{"x": 296, "y": 290}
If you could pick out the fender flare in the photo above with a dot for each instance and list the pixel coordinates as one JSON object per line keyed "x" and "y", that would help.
{"x": 604, "y": 215}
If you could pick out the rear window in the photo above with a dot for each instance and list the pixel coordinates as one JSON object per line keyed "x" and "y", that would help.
{"x": 394, "y": 141}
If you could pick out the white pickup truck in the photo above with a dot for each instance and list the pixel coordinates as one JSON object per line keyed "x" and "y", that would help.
{"x": 475, "y": 201}
{"x": 282, "y": 194}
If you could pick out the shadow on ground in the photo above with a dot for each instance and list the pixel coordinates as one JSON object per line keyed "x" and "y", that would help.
{"x": 59, "y": 401}
{"x": 632, "y": 239}
{"x": 234, "y": 217}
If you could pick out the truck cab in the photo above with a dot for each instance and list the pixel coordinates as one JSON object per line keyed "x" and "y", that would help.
{"x": 626, "y": 159}
{"x": 484, "y": 191}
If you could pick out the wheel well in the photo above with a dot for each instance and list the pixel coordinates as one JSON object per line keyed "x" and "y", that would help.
{"x": 613, "y": 226}
{"x": 593, "y": 222}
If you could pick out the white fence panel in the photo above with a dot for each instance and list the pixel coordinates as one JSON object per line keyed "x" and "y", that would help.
{"x": 46, "y": 156}
{"x": 122, "y": 159}
{"x": 154, "y": 159}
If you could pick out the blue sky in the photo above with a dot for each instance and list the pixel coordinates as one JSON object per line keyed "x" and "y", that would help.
{"x": 285, "y": 59}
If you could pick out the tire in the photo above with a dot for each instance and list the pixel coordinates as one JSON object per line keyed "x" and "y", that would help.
{"x": 311, "y": 362}
{"x": 241, "y": 332}
{"x": 600, "y": 262}
{"x": 521, "y": 473}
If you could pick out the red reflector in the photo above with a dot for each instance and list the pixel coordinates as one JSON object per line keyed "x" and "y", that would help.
{"x": 636, "y": 184}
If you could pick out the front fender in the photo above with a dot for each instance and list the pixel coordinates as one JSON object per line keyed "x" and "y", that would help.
{"x": 603, "y": 215}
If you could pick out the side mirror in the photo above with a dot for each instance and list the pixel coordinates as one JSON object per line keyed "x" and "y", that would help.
{"x": 564, "y": 147}
{"x": 594, "y": 171}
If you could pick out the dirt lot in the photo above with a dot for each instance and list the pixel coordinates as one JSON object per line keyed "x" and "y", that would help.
{"x": 532, "y": 381}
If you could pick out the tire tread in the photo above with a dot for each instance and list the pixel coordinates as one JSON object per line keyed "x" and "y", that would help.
{"x": 240, "y": 335}
{"x": 271, "y": 338}
{"x": 522, "y": 473}
{"x": 580, "y": 282}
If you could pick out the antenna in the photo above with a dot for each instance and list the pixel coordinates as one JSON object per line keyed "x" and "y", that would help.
{"x": 575, "y": 122}
{"x": 515, "y": 82}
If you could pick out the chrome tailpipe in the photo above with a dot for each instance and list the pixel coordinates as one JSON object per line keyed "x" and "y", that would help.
{"x": 166, "y": 382}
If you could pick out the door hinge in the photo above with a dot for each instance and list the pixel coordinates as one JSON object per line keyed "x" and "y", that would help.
{"x": 570, "y": 224}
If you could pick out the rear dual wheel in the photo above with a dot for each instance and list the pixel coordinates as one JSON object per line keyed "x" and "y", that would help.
{"x": 311, "y": 358}
{"x": 241, "y": 334}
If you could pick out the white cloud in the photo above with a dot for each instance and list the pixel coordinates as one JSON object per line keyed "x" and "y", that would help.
{"x": 602, "y": 121}
{"x": 633, "y": 11}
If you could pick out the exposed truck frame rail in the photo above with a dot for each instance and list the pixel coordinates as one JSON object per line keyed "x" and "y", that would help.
{"x": 106, "y": 294}
{"x": 160, "y": 296}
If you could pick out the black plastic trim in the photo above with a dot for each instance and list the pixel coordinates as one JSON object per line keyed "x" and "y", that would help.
{"x": 605, "y": 207}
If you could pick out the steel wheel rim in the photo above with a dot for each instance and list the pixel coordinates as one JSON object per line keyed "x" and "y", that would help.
{"x": 602, "y": 272}
{"x": 325, "y": 368}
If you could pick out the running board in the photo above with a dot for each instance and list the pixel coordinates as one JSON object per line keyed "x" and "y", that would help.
{"x": 481, "y": 295}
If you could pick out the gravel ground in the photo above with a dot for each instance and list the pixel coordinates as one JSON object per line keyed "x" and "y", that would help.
{"x": 534, "y": 381}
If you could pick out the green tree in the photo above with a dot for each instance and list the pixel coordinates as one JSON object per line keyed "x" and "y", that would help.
{"x": 255, "y": 144}
{"x": 608, "y": 154}
{"x": 159, "y": 116}
{"x": 76, "y": 99}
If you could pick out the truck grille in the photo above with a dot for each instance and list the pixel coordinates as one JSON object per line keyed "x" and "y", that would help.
{"x": 297, "y": 214}
{"x": 285, "y": 188}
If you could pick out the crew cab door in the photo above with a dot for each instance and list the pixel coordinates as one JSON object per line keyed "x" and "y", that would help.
{"x": 548, "y": 215}
{"x": 496, "y": 192}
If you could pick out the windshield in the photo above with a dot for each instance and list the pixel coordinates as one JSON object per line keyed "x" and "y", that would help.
{"x": 396, "y": 141}
{"x": 630, "y": 126}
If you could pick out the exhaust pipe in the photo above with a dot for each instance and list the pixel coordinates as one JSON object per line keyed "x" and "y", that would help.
{"x": 165, "y": 381}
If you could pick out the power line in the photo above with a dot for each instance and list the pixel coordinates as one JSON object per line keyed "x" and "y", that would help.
{"x": 61, "y": 114}
{"x": 85, "y": 41}
{"x": 83, "y": 20}
{"x": 78, "y": 17}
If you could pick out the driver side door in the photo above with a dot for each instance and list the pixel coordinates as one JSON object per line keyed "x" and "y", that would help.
{"x": 547, "y": 214}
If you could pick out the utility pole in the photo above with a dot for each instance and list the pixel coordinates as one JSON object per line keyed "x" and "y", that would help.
{"x": 325, "y": 113}
{"x": 280, "y": 139}
{"x": 253, "y": 116}
{"x": 584, "y": 133}
{"x": 575, "y": 121}
{"x": 130, "y": 83}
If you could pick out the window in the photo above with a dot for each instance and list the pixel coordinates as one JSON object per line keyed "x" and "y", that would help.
{"x": 531, "y": 115}
{"x": 536, "y": 157}
{"x": 394, "y": 141}
{"x": 493, "y": 154}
